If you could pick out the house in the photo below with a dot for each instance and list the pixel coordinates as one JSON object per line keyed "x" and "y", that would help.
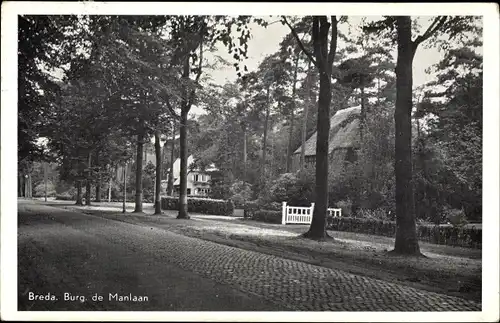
{"x": 198, "y": 180}
{"x": 343, "y": 140}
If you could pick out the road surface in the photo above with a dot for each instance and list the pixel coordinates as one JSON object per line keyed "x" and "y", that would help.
{"x": 84, "y": 262}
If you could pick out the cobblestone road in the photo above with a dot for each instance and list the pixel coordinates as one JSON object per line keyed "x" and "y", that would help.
{"x": 288, "y": 284}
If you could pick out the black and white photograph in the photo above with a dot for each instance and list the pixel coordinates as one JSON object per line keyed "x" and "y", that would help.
{"x": 250, "y": 161}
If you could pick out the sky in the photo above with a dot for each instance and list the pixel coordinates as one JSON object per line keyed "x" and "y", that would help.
{"x": 265, "y": 41}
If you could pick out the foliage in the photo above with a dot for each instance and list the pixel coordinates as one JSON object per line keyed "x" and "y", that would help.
{"x": 200, "y": 205}
{"x": 346, "y": 206}
{"x": 250, "y": 209}
{"x": 240, "y": 193}
{"x": 291, "y": 188}
{"x": 469, "y": 237}
{"x": 268, "y": 216}
{"x": 39, "y": 190}
{"x": 456, "y": 217}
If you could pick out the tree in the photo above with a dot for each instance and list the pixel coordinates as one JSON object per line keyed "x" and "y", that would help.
{"x": 158, "y": 172}
{"x": 406, "y": 236}
{"x": 324, "y": 54}
{"x": 191, "y": 36}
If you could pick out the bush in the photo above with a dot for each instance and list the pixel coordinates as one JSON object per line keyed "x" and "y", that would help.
{"x": 294, "y": 189}
{"x": 39, "y": 190}
{"x": 446, "y": 235}
{"x": 240, "y": 193}
{"x": 346, "y": 206}
{"x": 200, "y": 205}
{"x": 65, "y": 198}
{"x": 250, "y": 208}
{"x": 455, "y": 217}
{"x": 377, "y": 214}
{"x": 268, "y": 216}
{"x": 273, "y": 206}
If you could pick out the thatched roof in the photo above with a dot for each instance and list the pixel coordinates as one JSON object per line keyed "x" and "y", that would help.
{"x": 344, "y": 132}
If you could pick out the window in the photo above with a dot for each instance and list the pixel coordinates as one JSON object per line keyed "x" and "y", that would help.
{"x": 196, "y": 177}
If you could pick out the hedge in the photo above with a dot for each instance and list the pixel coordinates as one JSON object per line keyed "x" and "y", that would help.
{"x": 200, "y": 205}
{"x": 65, "y": 198}
{"x": 269, "y": 216}
{"x": 453, "y": 236}
{"x": 468, "y": 237}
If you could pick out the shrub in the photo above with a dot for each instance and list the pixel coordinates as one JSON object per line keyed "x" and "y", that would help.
{"x": 240, "y": 193}
{"x": 456, "y": 217}
{"x": 200, "y": 205}
{"x": 273, "y": 206}
{"x": 377, "y": 214}
{"x": 65, "y": 198}
{"x": 346, "y": 206}
{"x": 250, "y": 208}
{"x": 268, "y": 216}
{"x": 39, "y": 190}
{"x": 447, "y": 235}
{"x": 294, "y": 189}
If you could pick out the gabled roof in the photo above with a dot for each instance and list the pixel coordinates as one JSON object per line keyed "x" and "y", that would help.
{"x": 344, "y": 132}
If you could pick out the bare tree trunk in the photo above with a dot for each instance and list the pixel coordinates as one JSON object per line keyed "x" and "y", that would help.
{"x": 183, "y": 204}
{"x": 324, "y": 58}
{"x": 264, "y": 140}
{"x": 305, "y": 117}
{"x": 292, "y": 119}
{"x": 45, "y": 179}
{"x": 20, "y": 185}
{"x": 158, "y": 173}
{"x": 88, "y": 186}
{"x": 244, "y": 154}
{"x": 170, "y": 184}
{"x": 79, "y": 193}
{"x": 138, "y": 172}
{"x": 109, "y": 188}
{"x": 98, "y": 183}
{"x": 318, "y": 224}
{"x": 124, "y": 188}
{"x": 406, "y": 236}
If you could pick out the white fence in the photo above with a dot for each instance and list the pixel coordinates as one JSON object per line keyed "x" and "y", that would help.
{"x": 303, "y": 214}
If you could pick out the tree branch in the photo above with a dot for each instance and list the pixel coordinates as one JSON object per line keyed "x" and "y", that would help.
{"x": 198, "y": 75}
{"x": 301, "y": 45}
{"x": 436, "y": 24}
{"x": 333, "y": 42}
{"x": 171, "y": 109}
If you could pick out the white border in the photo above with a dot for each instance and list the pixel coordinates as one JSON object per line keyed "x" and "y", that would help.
{"x": 10, "y": 10}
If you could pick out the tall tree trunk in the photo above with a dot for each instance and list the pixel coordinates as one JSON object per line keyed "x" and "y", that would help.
{"x": 138, "y": 172}
{"x": 183, "y": 204}
{"x": 124, "y": 188}
{"x": 305, "y": 117}
{"x": 110, "y": 183}
{"x": 318, "y": 224}
{"x": 292, "y": 118}
{"x": 324, "y": 59}
{"x": 79, "y": 193}
{"x": 45, "y": 179}
{"x": 170, "y": 184}
{"x": 98, "y": 183}
{"x": 30, "y": 190}
{"x": 406, "y": 236}
{"x": 158, "y": 172}
{"x": 88, "y": 186}
{"x": 244, "y": 154}
{"x": 362, "y": 116}
{"x": 20, "y": 185}
{"x": 264, "y": 140}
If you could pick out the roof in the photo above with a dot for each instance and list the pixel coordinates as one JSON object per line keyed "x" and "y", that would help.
{"x": 344, "y": 132}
